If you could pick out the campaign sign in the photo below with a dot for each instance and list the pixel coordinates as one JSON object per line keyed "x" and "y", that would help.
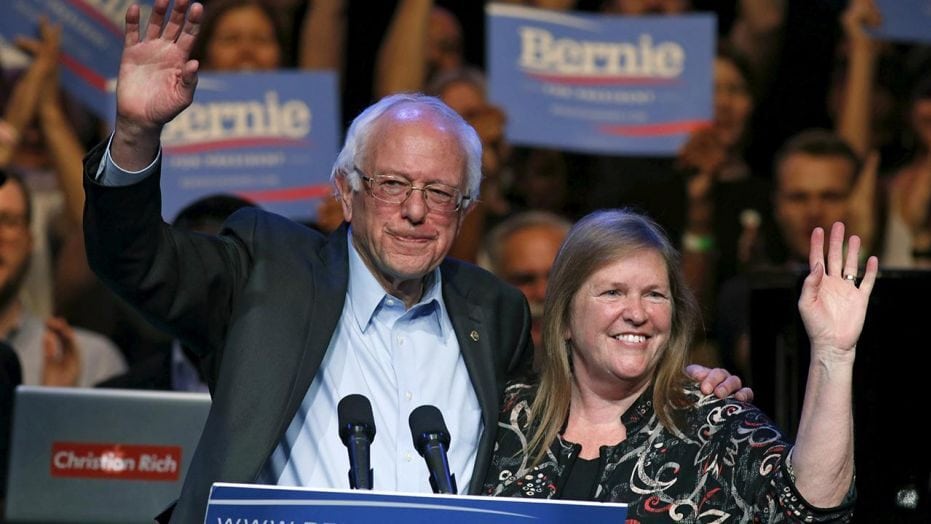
{"x": 600, "y": 83}
{"x": 268, "y": 137}
{"x": 905, "y": 20}
{"x": 91, "y": 42}
{"x": 236, "y": 503}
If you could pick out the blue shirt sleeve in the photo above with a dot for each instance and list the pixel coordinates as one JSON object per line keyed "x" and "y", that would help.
{"x": 110, "y": 174}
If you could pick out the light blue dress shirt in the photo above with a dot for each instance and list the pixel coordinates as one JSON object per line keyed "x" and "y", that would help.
{"x": 399, "y": 358}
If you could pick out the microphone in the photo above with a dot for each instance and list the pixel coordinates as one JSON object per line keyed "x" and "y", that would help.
{"x": 357, "y": 431}
{"x": 431, "y": 439}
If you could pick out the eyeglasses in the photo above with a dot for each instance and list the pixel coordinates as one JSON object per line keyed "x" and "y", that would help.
{"x": 396, "y": 190}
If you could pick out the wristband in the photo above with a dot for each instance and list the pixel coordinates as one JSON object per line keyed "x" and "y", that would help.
{"x": 697, "y": 243}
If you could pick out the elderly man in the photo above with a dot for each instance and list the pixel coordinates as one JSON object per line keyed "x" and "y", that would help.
{"x": 297, "y": 321}
{"x": 293, "y": 321}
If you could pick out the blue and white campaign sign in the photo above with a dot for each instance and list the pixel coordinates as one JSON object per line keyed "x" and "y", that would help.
{"x": 269, "y": 137}
{"x": 241, "y": 503}
{"x": 91, "y": 41}
{"x": 905, "y": 20}
{"x": 600, "y": 83}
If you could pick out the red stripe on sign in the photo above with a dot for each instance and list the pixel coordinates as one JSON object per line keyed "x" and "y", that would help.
{"x": 666, "y": 128}
{"x": 95, "y": 13}
{"x": 288, "y": 194}
{"x": 96, "y": 81}
{"x": 235, "y": 143}
{"x": 115, "y": 461}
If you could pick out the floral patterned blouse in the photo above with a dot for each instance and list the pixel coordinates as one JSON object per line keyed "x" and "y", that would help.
{"x": 731, "y": 467}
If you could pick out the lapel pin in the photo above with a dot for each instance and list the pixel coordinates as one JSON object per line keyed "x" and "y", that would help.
{"x": 474, "y": 336}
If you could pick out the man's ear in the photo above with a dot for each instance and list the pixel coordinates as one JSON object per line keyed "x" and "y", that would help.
{"x": 344, "y": 194}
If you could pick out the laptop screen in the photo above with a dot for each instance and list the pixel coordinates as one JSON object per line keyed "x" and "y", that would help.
{"x": 99, "y": 455}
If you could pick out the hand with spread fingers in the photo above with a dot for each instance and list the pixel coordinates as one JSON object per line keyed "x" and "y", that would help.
{"x": 156, "y": 79}
{"x": 832, "y": 305}
{"x": 833, "y": 309}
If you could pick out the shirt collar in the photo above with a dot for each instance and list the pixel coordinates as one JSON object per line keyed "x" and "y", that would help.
{"x": 366, "y": 294}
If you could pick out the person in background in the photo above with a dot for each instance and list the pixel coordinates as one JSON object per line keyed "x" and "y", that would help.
{"x": 815, "y": 175}
{"x": 908, "y": 233}
{"x": 52, "y": 353}
{"x": 251, "y": 35}
{"x": 423, "y": 41}
{"x": 726, "y": 202}
{"x": 614, "y": 417}
{"x": 521, "y": 251}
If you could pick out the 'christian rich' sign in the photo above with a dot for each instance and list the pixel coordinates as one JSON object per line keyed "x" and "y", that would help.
{"x": 600, "y": 83}
{"x": 269, "y": 137}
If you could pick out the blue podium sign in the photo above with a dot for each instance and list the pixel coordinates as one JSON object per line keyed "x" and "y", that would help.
{"x": 247, "y": 503}
{"x": 600, "y": 83}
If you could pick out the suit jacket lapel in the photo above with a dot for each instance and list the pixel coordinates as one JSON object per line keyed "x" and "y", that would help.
{"x": 475, "y": 344}
{"x": 331, "y": 280}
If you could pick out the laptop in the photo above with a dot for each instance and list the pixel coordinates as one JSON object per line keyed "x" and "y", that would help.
{"x": 99, "y": 455}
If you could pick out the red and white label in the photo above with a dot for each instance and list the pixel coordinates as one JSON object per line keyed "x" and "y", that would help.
{"x": 116, "y": 461}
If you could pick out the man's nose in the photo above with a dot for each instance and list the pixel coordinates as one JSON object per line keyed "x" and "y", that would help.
{"x": 414, "y": 208}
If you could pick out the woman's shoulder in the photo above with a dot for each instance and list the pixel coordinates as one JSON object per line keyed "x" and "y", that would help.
{"x": 709, "y": 409}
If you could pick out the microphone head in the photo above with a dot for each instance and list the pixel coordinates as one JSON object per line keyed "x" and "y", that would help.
{"x": 427, "y": 424}
{"x": 354, "y": 413}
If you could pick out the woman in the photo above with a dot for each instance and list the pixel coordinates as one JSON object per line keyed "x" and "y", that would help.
{"x": 240, "y": 35}
{"x": 613, "y": 417}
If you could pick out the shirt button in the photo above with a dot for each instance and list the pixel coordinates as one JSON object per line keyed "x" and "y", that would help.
{"x": 400, "y": 341}
{"x": 408, "y": 395}
{"x": 408, "y": 456}
{"x": 389, "y": 302}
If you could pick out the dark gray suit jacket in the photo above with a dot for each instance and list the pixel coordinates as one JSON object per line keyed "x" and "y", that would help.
{"x": 260, "y": 302}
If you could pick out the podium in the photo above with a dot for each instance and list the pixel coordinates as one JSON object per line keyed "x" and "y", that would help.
{"x": 237, "y": 503}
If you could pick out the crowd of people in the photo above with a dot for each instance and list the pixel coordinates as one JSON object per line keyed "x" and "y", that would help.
{"x": 562, "y": 364}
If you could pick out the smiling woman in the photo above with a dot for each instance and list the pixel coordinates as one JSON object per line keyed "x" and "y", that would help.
{"x": 240, "y": 35}
{"x": 613, "y": 416}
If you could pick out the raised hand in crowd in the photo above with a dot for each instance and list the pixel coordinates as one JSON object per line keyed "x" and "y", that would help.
{"x": 862, "y": 52}
{"x": 22, "y": 104}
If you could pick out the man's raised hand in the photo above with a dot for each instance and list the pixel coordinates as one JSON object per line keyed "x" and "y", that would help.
{"x": 156, "y": 79}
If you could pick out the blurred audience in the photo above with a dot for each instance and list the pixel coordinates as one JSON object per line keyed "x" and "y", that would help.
{"x": 815, "y": 176}
{"x": 51, "y": 352}
{"x": 908, "y": 226}
{"x": 521, "y": 250}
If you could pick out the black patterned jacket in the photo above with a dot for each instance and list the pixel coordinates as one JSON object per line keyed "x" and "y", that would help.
{"x": 730, "y": 467}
